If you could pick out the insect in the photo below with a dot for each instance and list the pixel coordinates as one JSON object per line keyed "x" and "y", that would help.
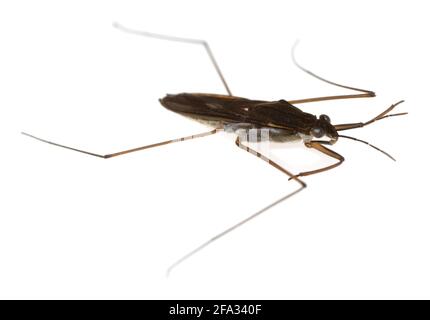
{"x": 280, "y": 119}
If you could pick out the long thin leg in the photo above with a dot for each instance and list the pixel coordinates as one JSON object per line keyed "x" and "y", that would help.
{"x": 178, "y": 39}
{"x": 364, "y": 94}
{"x": 237, "y": 225}
{"x": 111, "y": 155}
{"x": 347, "y": 126}
{"x": 339, "y": 97}
{"x": 317, "y": 145}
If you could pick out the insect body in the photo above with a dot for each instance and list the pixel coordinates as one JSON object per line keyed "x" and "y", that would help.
{"x": 281, "y": 119}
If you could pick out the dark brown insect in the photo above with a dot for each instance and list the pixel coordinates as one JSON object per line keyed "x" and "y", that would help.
{"x": 280, "y": 119}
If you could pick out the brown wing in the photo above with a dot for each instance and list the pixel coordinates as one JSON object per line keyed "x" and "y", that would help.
{"x": 279, "y": 114}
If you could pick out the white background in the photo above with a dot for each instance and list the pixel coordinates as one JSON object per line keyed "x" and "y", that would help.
{"x": 74, "y": 226}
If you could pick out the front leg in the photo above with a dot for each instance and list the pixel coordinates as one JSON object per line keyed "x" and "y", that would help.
{"x": 318, "y": 146}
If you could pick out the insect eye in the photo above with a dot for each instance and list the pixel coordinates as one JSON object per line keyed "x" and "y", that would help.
{"x": 325, "y": 117}
{"x": 317, "y": 132}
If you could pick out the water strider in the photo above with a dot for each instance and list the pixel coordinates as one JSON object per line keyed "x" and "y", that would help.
{"x": 280, "y": 120}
